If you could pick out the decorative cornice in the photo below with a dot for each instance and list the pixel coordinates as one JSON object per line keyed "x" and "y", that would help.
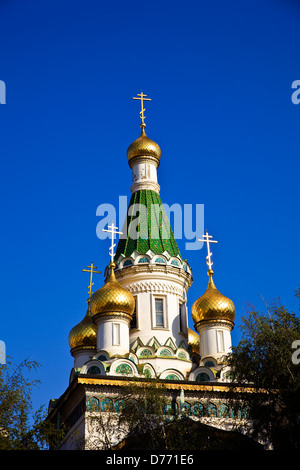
{"x": 180, "y": 276}
{"x": 83, "y": 348}
{"x": 176, "y": 385}
{"x": 154, "y": 286}
{"x": 144, "y": 159}
{"x": 111, "y": 315}
{"x": 147, "y": 184}
{"x": 213, "y": 322}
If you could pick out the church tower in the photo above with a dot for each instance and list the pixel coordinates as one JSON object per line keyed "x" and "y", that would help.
{"x": 83, "y": 336}
{"x": 112, "y": 308}
{"x": 213, "y": 315}
{"x": 150, "y": 265}
{"x": 136, "y": 323}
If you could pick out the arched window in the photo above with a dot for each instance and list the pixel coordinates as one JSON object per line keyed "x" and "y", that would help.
{"x": 94, "y": 370}
{"x": 182, "y": 355}
{"x": 102, "y": 357}
{"x": 128, "y": 262}
{"x": 160, "y": 261}
{"x": 209, "y": 364}
{"x": 202, "y": 377}
{"x": 146, "y": 352}
{"x": 172, "y": 377}
{"x": 165, "y": 353}
{"x": 143, "y": 260}
{"x": 124, "y": 369}
{"x": 174, "y": 262}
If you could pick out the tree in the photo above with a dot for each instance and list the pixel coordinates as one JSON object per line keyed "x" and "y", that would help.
{"x": 145, "y": 412}
{"x": 104, "y": 428}
{"x": 20, "y": 427}
{"x": 263, "y": 360}
{"x": 155, "y": 425}
{"x": 139, "y": 411}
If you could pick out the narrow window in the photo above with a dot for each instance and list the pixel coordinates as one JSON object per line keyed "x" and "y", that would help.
{"x": 182, "y": 318}
{"x": 133, "y": 323}
{"x": 116, "y": 334}
{"x": 220, "y": 341}
{"x": 159, "y": 313}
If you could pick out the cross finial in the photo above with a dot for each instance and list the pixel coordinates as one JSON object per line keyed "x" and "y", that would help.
{"x": 142, "y": 98}
{"x": 206, "y": 238}
{"x": 91, "y": 270}
{"x": 113, "y": 230}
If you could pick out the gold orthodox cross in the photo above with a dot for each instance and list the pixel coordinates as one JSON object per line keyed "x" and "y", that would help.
{"x": 142, "y": 98}
{"x": 207, "y": 239}
{"x": 91, "y": 270}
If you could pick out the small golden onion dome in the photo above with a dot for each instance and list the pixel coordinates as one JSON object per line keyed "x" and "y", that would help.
{"x": 212, "y": 305}
{"x": 84, "y": 334}
{"x": 143, "y": 147}
{"x": 112, "y": 298}
{"x": 194, "y": 340}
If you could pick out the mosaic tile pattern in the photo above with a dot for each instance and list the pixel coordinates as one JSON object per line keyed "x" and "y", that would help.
{"x": 152, "y": 227}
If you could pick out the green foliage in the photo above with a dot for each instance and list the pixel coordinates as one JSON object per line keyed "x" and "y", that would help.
{"x": 20, "y": 427}
{"x": 156, "y": 426}
{"x": 144, "y": 411}
{"x": 263, "y": 359}
{"x": 153, "y": 428}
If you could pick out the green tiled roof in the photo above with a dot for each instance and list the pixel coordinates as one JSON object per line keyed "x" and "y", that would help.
{"x": 153, "y": 226}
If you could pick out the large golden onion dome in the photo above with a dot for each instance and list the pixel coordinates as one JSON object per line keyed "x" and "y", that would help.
{"x": 84, "y": 334}
{"x": 112, "y": 298}
{"x": 194, "y": 340}
{"x": 143, "y": 147}
{"x": 212, "y": 305}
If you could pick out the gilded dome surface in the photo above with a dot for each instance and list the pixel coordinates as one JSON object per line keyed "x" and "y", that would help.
{"x": 212, "y": 305}
{"x": 143, "y": 147}
{"x": 194, "y": 340}
{"x": 84, "y": 334}
{"x": 112, "y": 297}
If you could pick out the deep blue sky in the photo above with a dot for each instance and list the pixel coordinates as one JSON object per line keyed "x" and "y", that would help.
{"x": 219, "y": 75}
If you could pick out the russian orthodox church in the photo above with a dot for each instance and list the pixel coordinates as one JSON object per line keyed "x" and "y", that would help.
{"x": 136, "y": 324}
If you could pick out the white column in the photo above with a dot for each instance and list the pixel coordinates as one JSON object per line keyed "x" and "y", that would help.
{"x": 144, "y": 176}
{"x": 113, "y": 335}
{"x": 215, "y": 340}
{"x": 82, "y": 356}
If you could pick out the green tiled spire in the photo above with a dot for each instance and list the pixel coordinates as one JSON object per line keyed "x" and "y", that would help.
{"x": 153, "y": 226}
